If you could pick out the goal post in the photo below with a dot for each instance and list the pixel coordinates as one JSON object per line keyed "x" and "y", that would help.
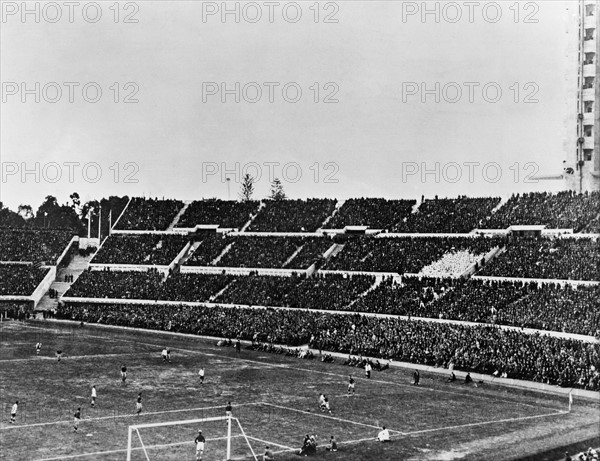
{"x": 134, "y": 433}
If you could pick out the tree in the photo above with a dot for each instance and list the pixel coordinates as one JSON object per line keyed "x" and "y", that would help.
{"x": 25, "y": 211}
{"x": 247, "y": 188}
{"x": 277, "y": 192}
{"x": 9, "y": 218}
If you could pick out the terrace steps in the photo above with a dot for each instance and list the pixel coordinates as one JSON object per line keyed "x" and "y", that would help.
{"x": 76, "y": 267}
{"x": 178, "y": 216}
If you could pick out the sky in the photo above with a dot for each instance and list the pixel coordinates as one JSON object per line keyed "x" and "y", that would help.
{"x": 338, "y": 99}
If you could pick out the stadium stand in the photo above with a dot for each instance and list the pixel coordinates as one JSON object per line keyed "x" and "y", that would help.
{"x": 546, "y": 258}
{"x": 489, "y": 350}
{"x": 225, "y": 213}
{"x": 564, "y": 210}
{"x": 328, "y": 292}
{"x": 377, "y": 213}
{"x": 117, "y": 284}
{"x": 404, "y": 254}
{"x": 158, "y": 249}
{"x": 262, "y": 252}
{"x": 20, "y": 279}
{"x": 149, "y": 214}
{"x": 459, "y": 215}
{"x": 33, "y": 245}
{"x": 546, "y": 307}
{"x": 292, "y": 215}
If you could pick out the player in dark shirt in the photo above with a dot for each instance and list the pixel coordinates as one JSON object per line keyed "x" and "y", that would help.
{"x": 199, "y": 441}
{"x": 416, "y": 378}
{"x": 123, "y": 372}
{"x": 76, "y": 419}
{"x": 228, "y": 410}
{"x": 138, "y": 404}
{"x": 351, "y": 385}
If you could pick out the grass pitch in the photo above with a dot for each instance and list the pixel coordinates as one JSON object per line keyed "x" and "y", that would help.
{"x": 274, "y": 397}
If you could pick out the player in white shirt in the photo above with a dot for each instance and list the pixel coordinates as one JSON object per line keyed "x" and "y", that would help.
{"x": 38, "y": 348}
{"x": 201, "y": 375}
{"x": 384, "y": 435}
{"x": 13, "y": 412}
{"x": 164, "y": 354}
{"x": 94, "y": 396}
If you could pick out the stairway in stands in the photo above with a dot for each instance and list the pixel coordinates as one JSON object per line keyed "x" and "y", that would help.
{"x": 178, "y": 216}
{"x": 76, "y": 267}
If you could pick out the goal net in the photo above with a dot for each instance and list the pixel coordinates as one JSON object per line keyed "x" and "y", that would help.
{"x": 224, "y": 436}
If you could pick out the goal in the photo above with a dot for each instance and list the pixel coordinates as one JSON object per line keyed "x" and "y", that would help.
{"x": 175, "y": 437}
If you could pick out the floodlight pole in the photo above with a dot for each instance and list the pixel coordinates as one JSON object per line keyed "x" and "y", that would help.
{"x": 228, "y": 438}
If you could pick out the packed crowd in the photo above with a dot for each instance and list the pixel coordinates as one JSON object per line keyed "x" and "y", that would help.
{"x": 377, "y": 213}
{"x": 562, "y": 259}
{"x": 329, "y": 292}
{"x": 35, "y": 245}
{"x": 404, "y": 254}
{"x": 210, "y": 247}
{"x": 268, "y": 251}
{"x": 116, "y": 284}
{"x": 564, "y": 210}
{"x": 149, "y": 214}
{"x": 452, "y": 264}
{"x": 225, "y": 213}
{"x": 292, "y": 215}
{"x": 157, "y": 249}
{"x": 487, "y": 350}
{"x": 20, "y": 279}
{"x": 459, "y": 215}
{"x": 411, "y": 297}
{"x": 193, "y": 287}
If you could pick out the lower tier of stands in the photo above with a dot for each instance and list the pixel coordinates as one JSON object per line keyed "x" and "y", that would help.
{"x": 482, "y": 349}
{"x": 544, "y": 307}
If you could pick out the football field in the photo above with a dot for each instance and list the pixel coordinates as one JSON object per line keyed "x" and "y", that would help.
{"x": 274, "y": 397}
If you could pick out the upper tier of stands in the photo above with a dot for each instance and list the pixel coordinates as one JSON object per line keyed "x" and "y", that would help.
{"x": 149, "y": 214}
{"x": 452, "y": 216}
{"x": 33, "y": 245}
{"x": 226, "y": 214}
{"x": 377, "y": 213}
{"x": 564, "y": 210}
{"x": 481, "y": 349}
{"x": 159, "y": 249}
{"x": 292, "y": 215}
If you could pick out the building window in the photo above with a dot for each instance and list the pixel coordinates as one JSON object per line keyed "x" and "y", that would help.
{"x": 589, "y": 34}
{"x": 589, "y": 83}
{"x": 589, "y": 58}
{"x": 589, "y": 10}
{"x": 587, "y": 154}
{"x": 588, "y": 130}
{"x": 589, "y": 106}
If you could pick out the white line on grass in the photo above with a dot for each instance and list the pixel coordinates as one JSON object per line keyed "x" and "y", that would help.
{"x": 107, "y": 452}
{"x": 270, "y": 443}
{"x": 320, "y": 415}
{"x": 132, "y": 415}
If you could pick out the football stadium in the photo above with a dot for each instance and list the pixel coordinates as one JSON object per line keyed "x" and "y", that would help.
{"x": 267, "y": 231}
{"x": 467, "y": 327}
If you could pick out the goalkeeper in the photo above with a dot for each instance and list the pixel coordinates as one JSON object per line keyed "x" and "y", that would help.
{"x": 199, "y": 441}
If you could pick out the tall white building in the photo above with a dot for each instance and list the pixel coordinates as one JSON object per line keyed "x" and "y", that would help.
{"x": 582, "y": 164}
